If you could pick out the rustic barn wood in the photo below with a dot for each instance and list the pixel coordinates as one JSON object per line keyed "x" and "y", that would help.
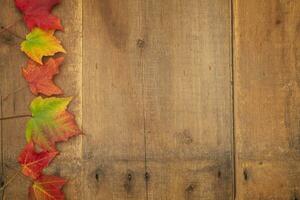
{"x": 156, "y": 101}
{"x": 177, "y": 100}
{"x": 267, "y": 101}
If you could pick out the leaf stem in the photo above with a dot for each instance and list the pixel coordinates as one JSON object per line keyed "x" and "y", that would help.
{"x": 14, "y": 92}
{"x": 6, "y": 29}
{"x": 15, "y": 117}
{"x": 9, "y": 181}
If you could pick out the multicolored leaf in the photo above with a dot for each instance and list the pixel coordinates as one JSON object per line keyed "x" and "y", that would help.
{"x": 41, "y": 43}
{"x": 37, "y": 13}
{"x": 50, "y": 122}
{"x": 39, "y": 77}
{"x": 47, "y": 188}
{"x": 33, "y": 163}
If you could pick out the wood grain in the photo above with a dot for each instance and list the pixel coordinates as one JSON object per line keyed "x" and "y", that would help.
{"x": 157, "y": 99}
{"x": 187, "y": 97}
{"x": 113, "y": 148}
{"x": 267, "y": 99}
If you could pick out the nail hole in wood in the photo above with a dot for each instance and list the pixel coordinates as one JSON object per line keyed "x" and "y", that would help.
{"x": 129, "y": 181}
{"x": 147, "y": 176}
{"x": 98, "y": 175}
{"x": 1, "y": 181}
{"x": 245, "y": 173}
{"x": 129, "y": 176}
{"x": 219, "y": 173}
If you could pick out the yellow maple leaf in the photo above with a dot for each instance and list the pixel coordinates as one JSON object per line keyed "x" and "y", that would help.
{"x": 41, "y": 43}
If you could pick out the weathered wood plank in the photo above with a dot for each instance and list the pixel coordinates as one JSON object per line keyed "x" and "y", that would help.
{"x": 187, "y": 98}
{"x": 267, "y": 99}
{"x": 16, "y": 96}
{"x": 113, "y": 148}
{"x": 156, "y": 83}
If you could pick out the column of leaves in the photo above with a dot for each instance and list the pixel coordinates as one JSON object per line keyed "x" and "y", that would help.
{"x": 50, "y": 122}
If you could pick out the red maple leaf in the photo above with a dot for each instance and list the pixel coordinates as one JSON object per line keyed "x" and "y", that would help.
{"x": 33, "y": 163}
{"x": 39, "y": 77}
{"x": 47, "y": 188}
{"x": 37, "y": 13}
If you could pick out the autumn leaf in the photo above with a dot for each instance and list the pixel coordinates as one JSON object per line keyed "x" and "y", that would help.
{"x": 50, "y": 122}
{"x": 41, "y": 43}
{"x": 37, "y": 13}
{"x": 33, "y": 163}
{"x": 39, "y": 77}
{"x": 47, "y": 188}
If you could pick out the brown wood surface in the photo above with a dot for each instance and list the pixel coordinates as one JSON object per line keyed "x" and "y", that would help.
{"x": 113, "y": 148}
{"x": 187, "y": 99}
{"x": 266, "y": 85}
{"x": 157, "y": 96}
{"x": 156, "y": 102}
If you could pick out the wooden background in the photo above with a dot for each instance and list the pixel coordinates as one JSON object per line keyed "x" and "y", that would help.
{"x": 178, "y": 99}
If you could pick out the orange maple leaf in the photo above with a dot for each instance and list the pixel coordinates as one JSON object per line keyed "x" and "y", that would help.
{"x": 39, "y": 77}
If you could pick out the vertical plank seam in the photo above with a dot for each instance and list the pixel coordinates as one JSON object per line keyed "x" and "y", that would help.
{"x": 1, "y": 143}
{"x": 232, "y": 31}
{"x": 144, "y": 122}
{"x": 144, "y": 107}
{"x": 145, "y": 137}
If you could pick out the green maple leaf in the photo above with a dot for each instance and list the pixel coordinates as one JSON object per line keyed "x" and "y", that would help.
{"x": 40, "y": 43}
{"x": 50, "y": 122}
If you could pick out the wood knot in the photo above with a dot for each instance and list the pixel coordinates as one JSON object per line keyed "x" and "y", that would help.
{"x": 128, "y": 181}
{"x": 190, "y": 188}
{"x": 1, "y": 182}
{"x": 246, "y": 174}
{"x": 98, "y": 174}
{"x": 129, "y": 176}
{"x": 219, "y": 174}
{"x": 147, "y": 176}
{"x": 88, "y": 155}
{"x": 140, "y": 43}
{"x": 185, "y": 137}
{"x": 294, "y": 197}
{"x": 278, "y": 21}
